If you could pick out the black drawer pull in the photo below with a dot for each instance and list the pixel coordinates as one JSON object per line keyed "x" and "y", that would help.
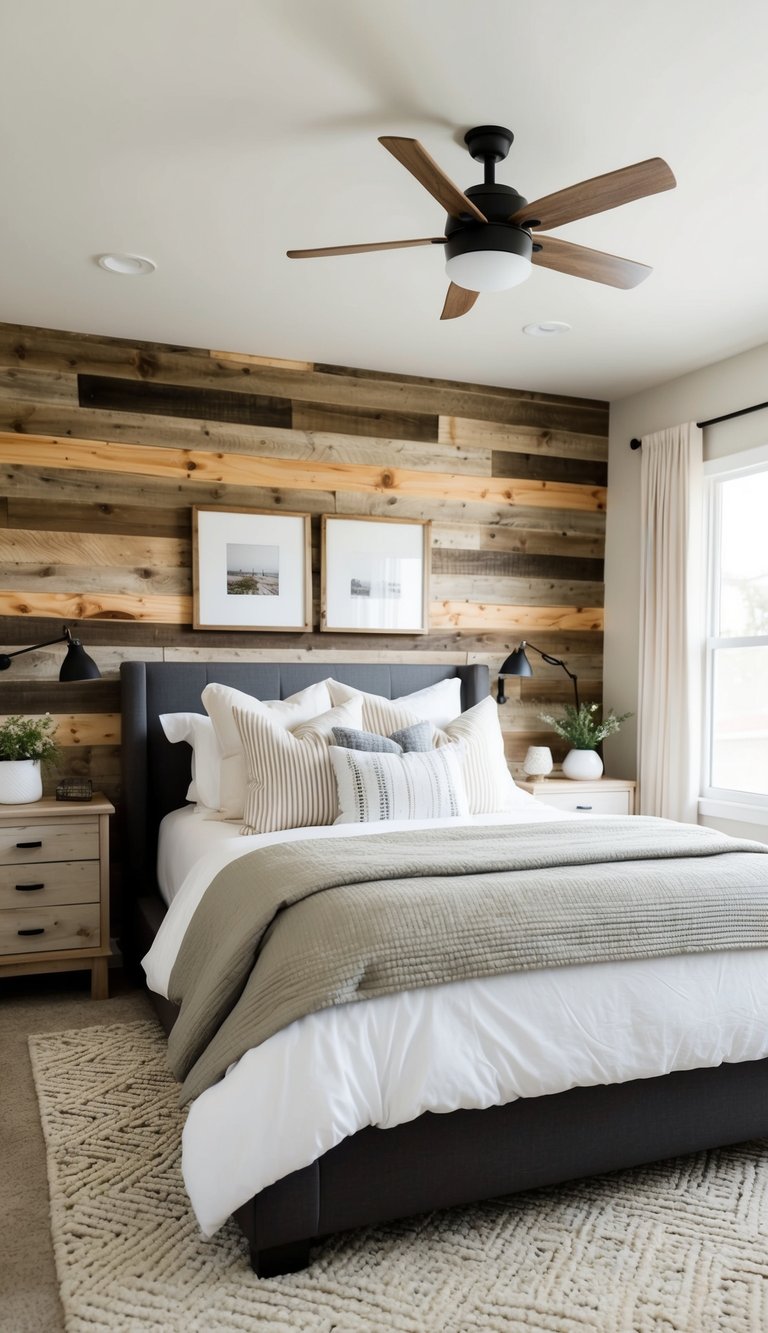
{"x": 29, "y": 844}
{"x": 583, "y": 807}
{"x": 27, "y": 888}
{"x": 36, "y": 930}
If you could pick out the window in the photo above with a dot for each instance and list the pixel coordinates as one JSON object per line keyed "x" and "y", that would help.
{"x": 736, "y": 729}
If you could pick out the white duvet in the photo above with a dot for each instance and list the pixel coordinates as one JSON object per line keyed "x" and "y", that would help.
{"x": 470, "y": 1044}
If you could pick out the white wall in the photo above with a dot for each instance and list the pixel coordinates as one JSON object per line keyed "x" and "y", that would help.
{"x": 724, "y": 387}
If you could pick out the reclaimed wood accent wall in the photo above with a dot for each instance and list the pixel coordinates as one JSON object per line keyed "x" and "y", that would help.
{"x": 106, "y": 444}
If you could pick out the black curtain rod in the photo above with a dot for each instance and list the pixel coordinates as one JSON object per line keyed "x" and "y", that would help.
{"x": 714, "y": 421}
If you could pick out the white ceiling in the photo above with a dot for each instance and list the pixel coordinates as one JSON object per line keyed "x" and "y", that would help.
{"x": 211, "y": 135}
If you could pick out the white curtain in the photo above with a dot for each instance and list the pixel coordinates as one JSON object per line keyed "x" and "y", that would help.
{"x": 671, "y": 623}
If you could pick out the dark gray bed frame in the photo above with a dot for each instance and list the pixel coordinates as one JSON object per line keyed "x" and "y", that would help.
{"x": 435, "y": 1161}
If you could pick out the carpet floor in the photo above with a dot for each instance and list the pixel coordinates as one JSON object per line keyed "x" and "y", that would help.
{"x": 680, "y": 1246}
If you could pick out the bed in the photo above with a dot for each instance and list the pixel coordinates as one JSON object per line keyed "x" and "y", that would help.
{"x": 435, "y": 1160}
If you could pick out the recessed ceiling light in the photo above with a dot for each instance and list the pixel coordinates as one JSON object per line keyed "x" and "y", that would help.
{"x": 129, "y": 265}
{"x": 547, "y": 329}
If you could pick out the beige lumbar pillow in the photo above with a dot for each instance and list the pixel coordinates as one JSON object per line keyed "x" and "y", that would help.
{"x": 290, "y": 775}
{"x": 219, "y": 702}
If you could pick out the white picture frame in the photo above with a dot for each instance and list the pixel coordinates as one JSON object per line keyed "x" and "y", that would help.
{"x": 374, "y": 575}
{"x": 251, "y": 569}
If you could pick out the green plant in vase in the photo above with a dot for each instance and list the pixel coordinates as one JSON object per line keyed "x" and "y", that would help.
{"x": 585, "y": 729}
{"x": 25, "y": 744}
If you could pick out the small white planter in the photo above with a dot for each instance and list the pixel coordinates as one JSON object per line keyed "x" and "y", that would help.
{"x": 582, "y": 765}
{"x": 20, "y": 781}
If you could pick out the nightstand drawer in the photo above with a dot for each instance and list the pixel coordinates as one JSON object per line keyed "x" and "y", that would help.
{"x": 591, "y": 802}
{"x": 42, "y": 929}
{"x": 54, "y": 840}
{"x": 49, "y": 884}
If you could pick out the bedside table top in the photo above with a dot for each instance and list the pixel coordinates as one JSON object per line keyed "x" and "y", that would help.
{"x": 574, "y": 784}
{"x": 49, "y": 806}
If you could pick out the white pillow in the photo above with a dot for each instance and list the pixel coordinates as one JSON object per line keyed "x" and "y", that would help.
{"x": 375, "y": 786}
{"x": 290, "y": 776}
{"x": 219, "y": 700}
{"x": 438, "y": 704}
{"x": 489, "y": 783}
{"x": 197, "y": 730}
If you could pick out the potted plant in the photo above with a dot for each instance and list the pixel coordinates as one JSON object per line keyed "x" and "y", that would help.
{"x": 585, "y": 731}
{"x": 25, "y": 743}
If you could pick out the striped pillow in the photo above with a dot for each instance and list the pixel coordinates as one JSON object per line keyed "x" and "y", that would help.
{"x": 438, "y": 704}
{"x": 290, "y": 776}
{"x": 489, "y": 783}
{"x": 219, "y": 701}
{"x": 375, "y": 787}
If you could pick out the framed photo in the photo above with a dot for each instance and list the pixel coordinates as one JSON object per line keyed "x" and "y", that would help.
{"x": 251, "y": 569}
{"x": 375, "y": 574}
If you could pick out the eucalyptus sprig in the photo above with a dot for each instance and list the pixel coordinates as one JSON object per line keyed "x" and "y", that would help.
{"x": 28, "y": 738}
{"x": 582, "y": 728}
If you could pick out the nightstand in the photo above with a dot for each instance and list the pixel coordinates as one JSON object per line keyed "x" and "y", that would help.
{"x": 604, "y": 796}
{"x": 54, "y": 888}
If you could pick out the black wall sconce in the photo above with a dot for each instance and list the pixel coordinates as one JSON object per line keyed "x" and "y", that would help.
{"x": 517, "y": 664}
{"x": 77, "y": 665}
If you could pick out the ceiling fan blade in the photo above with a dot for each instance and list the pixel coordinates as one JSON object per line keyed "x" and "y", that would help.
{"x": 363, "y": 249}
{"x": 458, "y": 302}
{"x": 598, "y": 194}
{"x": 415, "y": 158}
{"x": 595, "y": 265}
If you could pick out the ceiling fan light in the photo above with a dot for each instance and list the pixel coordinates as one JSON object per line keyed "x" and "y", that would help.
{"x": 490, "y": 258}
{"x": 488, "y": 270}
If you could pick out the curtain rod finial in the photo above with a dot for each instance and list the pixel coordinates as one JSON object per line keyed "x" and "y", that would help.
{"x": 635, "y": 444}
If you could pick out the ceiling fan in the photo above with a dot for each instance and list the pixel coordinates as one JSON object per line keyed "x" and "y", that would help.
{"x": 491, "y": 236}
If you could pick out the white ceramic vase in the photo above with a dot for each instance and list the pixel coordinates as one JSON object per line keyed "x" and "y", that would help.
{"x": 582, "y": 765}
{"x": 20, "y": 781}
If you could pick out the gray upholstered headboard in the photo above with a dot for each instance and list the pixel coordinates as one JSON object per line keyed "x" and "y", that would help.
{"x": 156, "y": 774}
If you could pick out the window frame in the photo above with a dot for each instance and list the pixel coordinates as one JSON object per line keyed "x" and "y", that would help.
{"x": 730, "y": 802}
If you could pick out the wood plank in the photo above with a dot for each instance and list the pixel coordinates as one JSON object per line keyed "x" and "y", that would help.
{"x": 51, "y": 351}
{"x": 143, "y": 635}
{"x": 329, "y": 656}
{"x": 519, "y": 517}
{"x": 98, "y": 580}
{"x": 69, "y": 606}
{"x": 496, "y": 390}
{"x": 57, "y": 485}
{"x": 200, "y": 467}
{"x": 84, "y": 728}
{"x": 163, "y": 432}
{"x": 526, "y": 541}
{"x": 522, "y": 439}
{"x": 63, "y": 548}
{"x": 109, "y": 393}
{"x": 515, "y": 592}
{"x": 95, "y": 517}
{"x": 45, "y": 663}
{"x": 247, "y": 358}
{"x": 70, "y": 696}
{"x": 520, "y": 620}
{"x": 539, "y": 467}
{"x": 510, "y": 564}
{"x": 359, "y": 421}
{"x": 54, "y": 388}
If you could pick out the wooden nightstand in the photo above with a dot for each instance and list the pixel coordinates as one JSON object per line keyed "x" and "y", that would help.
{"x": 604, "y": 796}
{"x": 54, "y": 888}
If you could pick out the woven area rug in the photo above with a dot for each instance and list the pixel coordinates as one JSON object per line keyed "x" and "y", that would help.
{"x": 677, "y": 1247}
